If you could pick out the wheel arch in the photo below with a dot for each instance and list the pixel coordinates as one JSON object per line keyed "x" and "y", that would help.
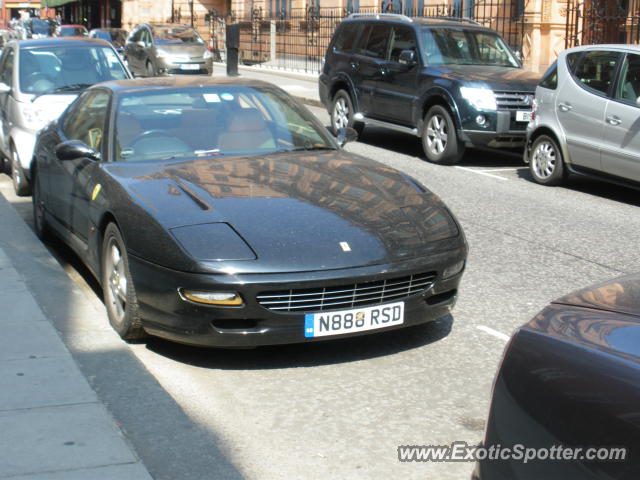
{"x": 438, "y": 96}
{"x": 343, "y": 82}
{"x": 107, "y": 218}
{"x": 545, "y": 130}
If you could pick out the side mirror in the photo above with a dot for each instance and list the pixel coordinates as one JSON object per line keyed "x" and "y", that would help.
{"x": 140, "y": 43}
{"x": 638, "y": 101}
{"x": 75, "y": 149}
{"x": 4, "y": 88}
{"x": 407, "y": 57}
{"x": 346, "y": 135}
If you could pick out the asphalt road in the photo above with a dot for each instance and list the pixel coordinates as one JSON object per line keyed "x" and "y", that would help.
{"x": 340, "y": 409}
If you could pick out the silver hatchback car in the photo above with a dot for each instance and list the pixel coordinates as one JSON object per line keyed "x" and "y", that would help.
{"x": 586, "y": 117}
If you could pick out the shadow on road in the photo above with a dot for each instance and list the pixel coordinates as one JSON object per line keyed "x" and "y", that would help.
{"x": 591, "y": 186}
{"x": 307, "y": 354}
{"x": 412, "y": 146}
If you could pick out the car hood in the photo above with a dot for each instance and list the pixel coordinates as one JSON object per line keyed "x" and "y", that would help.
{"x": 52, "y": 106}
{"x": 182, "y": 49}
{"x": 620, "y": 295}
{"x": 296, "y": 212}
{"x": 493, "y": 77}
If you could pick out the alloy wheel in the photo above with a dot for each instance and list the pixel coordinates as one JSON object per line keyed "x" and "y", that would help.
{"x": 341, "y": 113}
{"x": 544, "y": 160}
{"x": 117, "y": 280}
{"x": 437, "y": 134}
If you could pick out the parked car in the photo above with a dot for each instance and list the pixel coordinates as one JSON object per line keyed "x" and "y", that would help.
{"x": 221, "y": 212}
{"x": 72, "y": 31}
{"x": 39, "y": 28}
{"x": 160, "y": 49}
{"x": 570, "y": 377}
{"x": 38, "y": 79}
{"x": 451, "y": 82}
{"x": 116, "y": 36}
{"x": 586, "y": 117}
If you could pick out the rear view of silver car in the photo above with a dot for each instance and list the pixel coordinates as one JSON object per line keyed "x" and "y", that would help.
{"x": 587, "y": 117}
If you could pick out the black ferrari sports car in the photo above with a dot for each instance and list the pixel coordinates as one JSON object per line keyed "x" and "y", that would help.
{"x": 565, "y": 399}
{"x": 220, "y": 212}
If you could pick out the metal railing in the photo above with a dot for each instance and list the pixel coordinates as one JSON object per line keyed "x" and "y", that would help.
{"x": 602, "y": 21}
{"x": 298, "y": 39}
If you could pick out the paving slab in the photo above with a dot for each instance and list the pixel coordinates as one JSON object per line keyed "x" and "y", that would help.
{"x": 21, "y": 340}
{"x": 39, "y": 382}
{"x": 59, "y": 438}
{"x": 129, "y": 471}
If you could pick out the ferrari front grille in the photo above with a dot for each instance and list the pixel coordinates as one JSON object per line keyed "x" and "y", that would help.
{"x": 346, "y": 296}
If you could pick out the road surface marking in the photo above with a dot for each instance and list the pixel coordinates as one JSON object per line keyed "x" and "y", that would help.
{"x": 503, "y": 169}
{"x": 493, "y": 332}
{"x": 480, "y": 172}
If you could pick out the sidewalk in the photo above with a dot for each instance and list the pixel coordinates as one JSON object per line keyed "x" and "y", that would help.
{"x": 302, "y": 86}
{"x": 53, "y": 425}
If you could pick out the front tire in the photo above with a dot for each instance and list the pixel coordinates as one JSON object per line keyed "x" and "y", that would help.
{"x": 39, "y": 219}
{"x": 18, "y": 178}
{"x": 117, "y": 286}
{"x": 546, "y": 164}
{"x": 439, "y": 137}
{"x": 342, "y": 113}
{"x": 151, "y": 71}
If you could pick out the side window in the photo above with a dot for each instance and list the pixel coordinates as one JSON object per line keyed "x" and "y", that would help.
{"x": 402, "y": 38}
{"x": 6, "y": 71}
{"x": 550, "y": 78}
{"x": 572, "y": 60}
{"x": 596, "y": 70}
{"x": 347, "y": 37}
{"x": 86, "y": 120}
{"x": 146, "y": 37}
{"x": 377, "y": 36}
{"x": 135, "y": 36}
{"x": 628, "y": 89}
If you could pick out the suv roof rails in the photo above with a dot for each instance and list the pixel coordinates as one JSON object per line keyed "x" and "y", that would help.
{"x": 458, "y": 19}
{"x": 398, "y": 16}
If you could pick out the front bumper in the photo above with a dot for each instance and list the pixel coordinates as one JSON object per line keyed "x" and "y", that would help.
{"x": 24, "y": 141}
{"x": 500, "y": 130}
{"x": 165, "y": 314}
{"x": 186, "y": 67}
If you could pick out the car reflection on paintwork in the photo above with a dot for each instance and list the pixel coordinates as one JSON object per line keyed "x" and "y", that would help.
{"x": 220, "y": 212}
{"x": 571, "y": 377}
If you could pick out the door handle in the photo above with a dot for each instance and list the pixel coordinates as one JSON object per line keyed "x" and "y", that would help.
{"x": 564, "y": 107}
{"x": 614, "y": 120}
{"x": 384, "y": 71}
{"x": 355, "y": 65}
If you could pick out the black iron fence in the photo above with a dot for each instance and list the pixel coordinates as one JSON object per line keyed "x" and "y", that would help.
{"x": 298, "y": 39}
{"x": 602, "y": 21}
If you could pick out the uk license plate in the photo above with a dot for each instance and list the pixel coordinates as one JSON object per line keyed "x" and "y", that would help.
{"x": 190, "y": 66}
{"x": 354, "y": 320}
{"x": 523, "y": 116}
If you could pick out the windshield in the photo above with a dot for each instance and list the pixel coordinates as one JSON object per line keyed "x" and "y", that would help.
{"x": 47, "y": 69}
{"x": 118, "y": 37}
{"x": 176, "y": 35}
{"x": 458, "y": 46}
{"x": 73, "y": 31}
{"x": 214, "y": 121}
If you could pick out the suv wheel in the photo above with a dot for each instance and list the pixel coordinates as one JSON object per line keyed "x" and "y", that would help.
{"x": 546, "y": 164}
{"x": 439, "y": 138}
{"x": 342, "y": 113}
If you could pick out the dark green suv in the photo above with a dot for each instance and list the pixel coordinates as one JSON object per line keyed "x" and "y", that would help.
{"x": 452, "y": 82}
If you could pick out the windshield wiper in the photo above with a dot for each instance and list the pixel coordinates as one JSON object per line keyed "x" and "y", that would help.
{"x": 309, "y": 148}
{"x": 66, "y": 88}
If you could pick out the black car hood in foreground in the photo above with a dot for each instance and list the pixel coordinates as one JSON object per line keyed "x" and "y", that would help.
{"x": 290, "y": 212}
{"x": 496, "y": 78}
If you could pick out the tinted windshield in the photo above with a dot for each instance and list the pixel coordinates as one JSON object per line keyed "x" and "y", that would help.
{"x": 458, "y": 46}
{"x": 48, "y": 68}
{"x": 211, "y": 122}
{"x": 176, "y": 35}
{"x": 73, "y": 31}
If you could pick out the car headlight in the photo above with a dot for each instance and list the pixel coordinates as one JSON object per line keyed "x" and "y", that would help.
{"x": 207, "y": 54}
{"x": 34, "y": 117}
{"x": 161, "y": 54}
{"x": 480, "y": 98}
{"x": 452, "y": 270}
{"x": 227, "y": 299}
